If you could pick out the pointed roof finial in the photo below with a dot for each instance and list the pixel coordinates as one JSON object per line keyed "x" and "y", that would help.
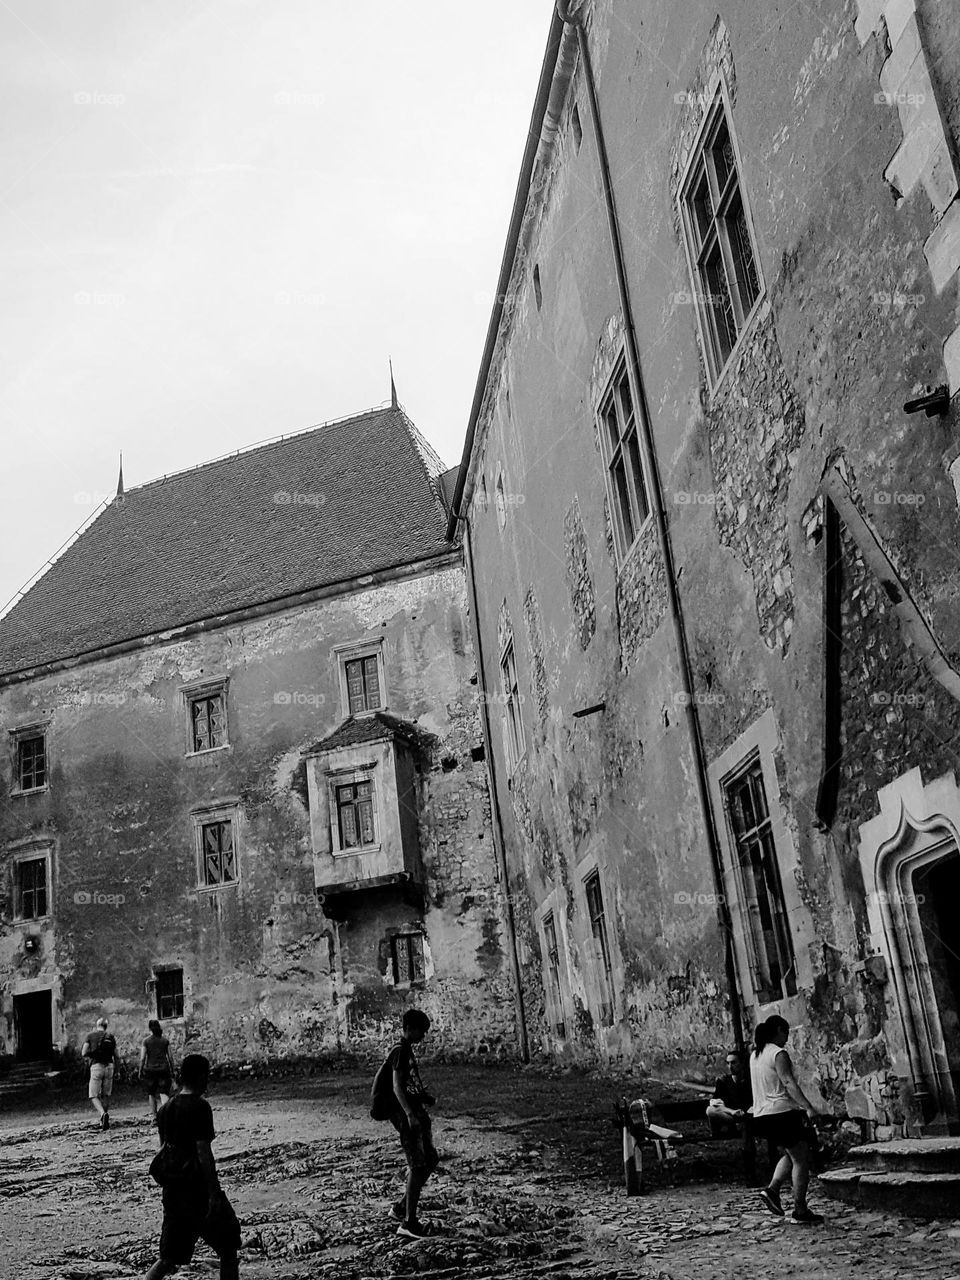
{"x": 394, "y": 403}
{"x": 120, "y": 480}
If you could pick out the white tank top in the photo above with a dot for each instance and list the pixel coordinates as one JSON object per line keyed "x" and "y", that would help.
{"x": 770, "y": 1098}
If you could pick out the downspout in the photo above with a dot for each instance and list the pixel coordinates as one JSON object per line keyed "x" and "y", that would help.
{"x": 657, "y": 509}
{"x": 498, "y": 841}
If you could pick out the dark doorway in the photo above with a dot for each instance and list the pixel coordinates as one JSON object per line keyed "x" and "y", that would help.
{"x": 939, "y": 888}
{"x": 32, "y": 1016}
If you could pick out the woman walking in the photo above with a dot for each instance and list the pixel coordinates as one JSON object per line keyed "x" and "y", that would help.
{"x": 156, "y": 1066}
{"x": 780, "y": 1111}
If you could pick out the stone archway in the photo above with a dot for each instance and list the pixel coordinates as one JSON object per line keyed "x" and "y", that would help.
{"x": 915, "y": 836}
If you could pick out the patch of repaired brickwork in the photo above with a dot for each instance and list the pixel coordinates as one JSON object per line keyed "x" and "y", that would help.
{"x": 504, "y": 628}
{"x": 755, "y": 426}
{"x": 641, "y": 595}
{"x": 579, "y": 581}
{"x": 538, "y": 667}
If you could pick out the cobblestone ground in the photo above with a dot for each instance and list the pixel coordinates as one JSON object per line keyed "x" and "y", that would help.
{"x": 530, "y": 1188}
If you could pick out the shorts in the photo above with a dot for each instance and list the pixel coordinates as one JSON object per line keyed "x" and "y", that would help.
{"x": 783, "y": 1129}
{"x": 101, "y": 1080}
{"x": 158, "y": 1082}
{"x": 185, "y": 1221}
{"x": 417, "y": 1147}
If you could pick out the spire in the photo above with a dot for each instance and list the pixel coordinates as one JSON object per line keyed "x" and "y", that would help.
{"x": 120, "y": 480}
{"x": 394, "y": 403}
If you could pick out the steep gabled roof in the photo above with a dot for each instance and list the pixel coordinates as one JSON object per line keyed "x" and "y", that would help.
{"x": 377, "y": 727}
{"x": 322, "y": 507}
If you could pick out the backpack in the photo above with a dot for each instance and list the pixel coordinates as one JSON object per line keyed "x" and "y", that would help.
{"x": 104, "y": 1051}
{"x": 383, "y": 1100}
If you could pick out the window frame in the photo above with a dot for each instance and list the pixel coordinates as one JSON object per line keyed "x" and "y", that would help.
{"x": 601, "y": 946}
{"x": 228, "y": 813}
{"x": 43, "y": 854}
{"x": 551, "y": 958}
{"x": 159, "y": 974}
{"x": 18, "y": 737}
{"x": 353, "y": 776}
{"x": 514, "y": 735}
{"x": 719, "y": 112}
{"x": 357, "y": 651}
{"x": 408, "y": 936}
{"x": 633, "y": 462}
{"x": 202, "y": 691}
{"x": 758, "y": 952}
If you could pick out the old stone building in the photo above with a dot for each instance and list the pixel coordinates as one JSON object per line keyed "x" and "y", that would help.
{"x": 714, "y": 555}
{"x": 244, "y": 789}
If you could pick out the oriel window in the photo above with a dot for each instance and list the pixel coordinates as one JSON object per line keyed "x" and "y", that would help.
{"x": 355, "y": 824}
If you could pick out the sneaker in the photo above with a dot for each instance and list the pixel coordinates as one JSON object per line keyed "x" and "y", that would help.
{"x": 415, "y": 1230}
{"x": 806, "y": 1216}
{"x": 771, "y": 1199}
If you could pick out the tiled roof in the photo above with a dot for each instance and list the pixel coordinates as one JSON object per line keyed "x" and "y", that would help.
{"x": 356, "y": 730}
{"x": 321, "y": 507}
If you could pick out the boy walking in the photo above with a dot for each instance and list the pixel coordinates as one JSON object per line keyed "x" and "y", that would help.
{"x": 194, "y": 1208}
{"x": 406, "y": 1100}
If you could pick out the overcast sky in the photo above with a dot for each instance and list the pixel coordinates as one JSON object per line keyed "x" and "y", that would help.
{"x": 219, "y": 220}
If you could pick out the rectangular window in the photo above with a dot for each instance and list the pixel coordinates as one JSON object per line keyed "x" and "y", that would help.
{"x": 218, "y": 853}
{"x": 620, "y": 441}
{"x": 408, "y": 967}
{"x": 170, "y": 993}
{"x": 720, "y": 241}
{"x": 31, "y": 762}
{"x": 598, "y": 920}
{"x": 516, "y": 743}
{"x": 208, "y": 721}
{"x": 31, "y": 888}
{"x": 756, "y": 856}
{"x": 355, "y": 824}
{"x": 363, "y": 684}
{"x": 553, "y": 968}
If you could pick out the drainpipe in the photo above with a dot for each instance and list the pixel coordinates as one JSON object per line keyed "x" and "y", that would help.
{"x": 498, "y": 841}
{"x": 660, "y": 520}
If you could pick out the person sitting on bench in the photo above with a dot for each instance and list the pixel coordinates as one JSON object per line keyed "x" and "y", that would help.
{"x": 728, "y": 1109}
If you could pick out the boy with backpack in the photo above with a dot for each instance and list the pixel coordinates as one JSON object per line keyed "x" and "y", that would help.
{"x": 194, "y": 1206}
{"x": 398, "y": 1095}
{"x": 100, "y": 1050}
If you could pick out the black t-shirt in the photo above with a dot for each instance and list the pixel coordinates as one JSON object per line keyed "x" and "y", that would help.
{"x": 186, "y": 1120}
{"x": 103, "y": 1047}
{"x": 733, "y": 1093}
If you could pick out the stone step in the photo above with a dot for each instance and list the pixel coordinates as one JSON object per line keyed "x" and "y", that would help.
{"x": 908, "y": 1155}
{"x": 911, "y": 1194}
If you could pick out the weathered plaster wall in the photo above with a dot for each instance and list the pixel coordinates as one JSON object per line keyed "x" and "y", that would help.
{"x": 265, "y": 972}
{"x": 851, "y": 324}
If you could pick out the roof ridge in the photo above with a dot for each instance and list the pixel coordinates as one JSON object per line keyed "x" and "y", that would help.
{"x": 243, "y": 451}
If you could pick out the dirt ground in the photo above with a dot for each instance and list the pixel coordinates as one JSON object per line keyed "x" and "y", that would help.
{"x": 530, "y": 1187}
